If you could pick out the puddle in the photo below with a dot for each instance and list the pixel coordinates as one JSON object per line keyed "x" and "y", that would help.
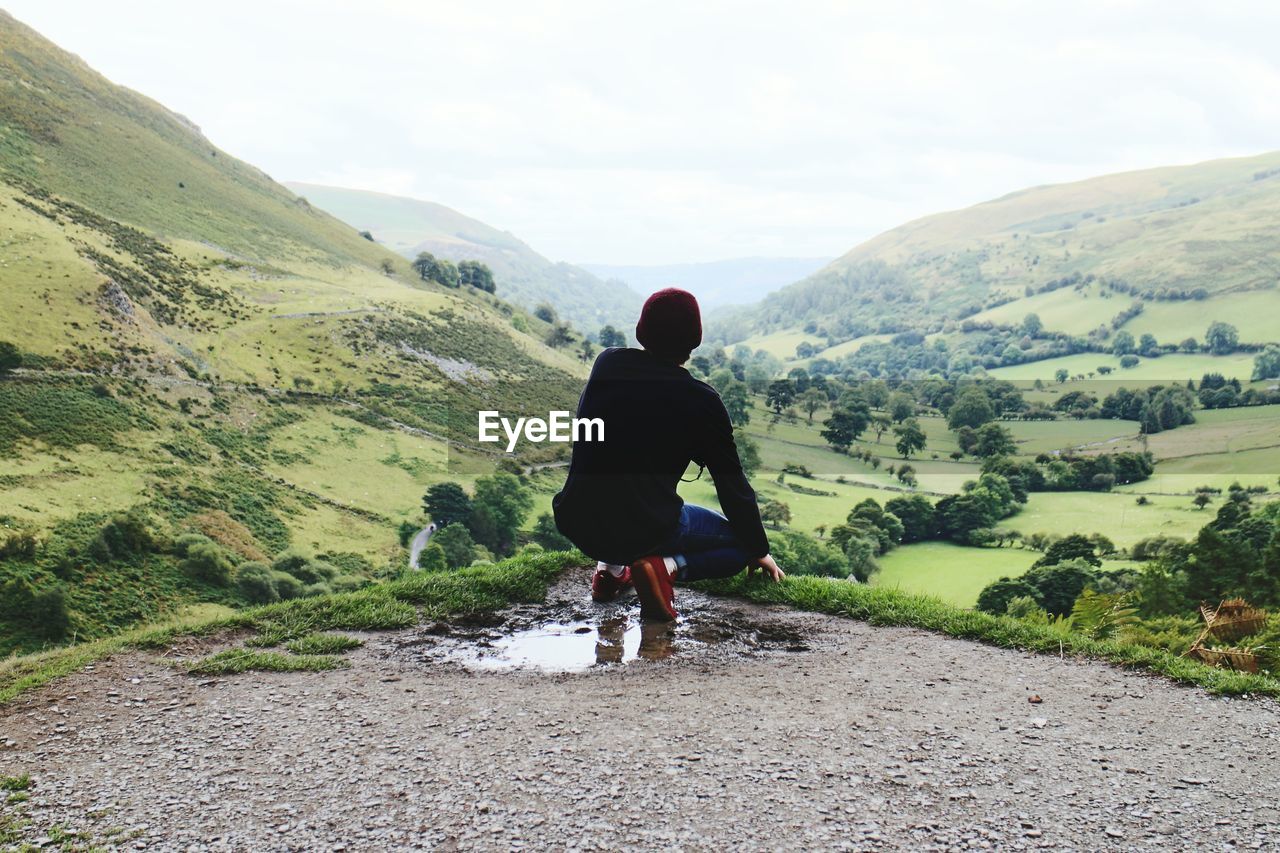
{"x": 569, "y": 633}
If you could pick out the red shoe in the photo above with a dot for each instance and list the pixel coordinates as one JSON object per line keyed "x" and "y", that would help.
{"x": 653, "y": 588}
{"x": 606, "y": 587}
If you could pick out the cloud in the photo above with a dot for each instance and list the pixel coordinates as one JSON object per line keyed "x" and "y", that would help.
{"x": 664, "y": 132}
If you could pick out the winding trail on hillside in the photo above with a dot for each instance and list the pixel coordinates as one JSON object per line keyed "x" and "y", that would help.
{"x": 419, "y": 542}
{"x": 842, "y": 735}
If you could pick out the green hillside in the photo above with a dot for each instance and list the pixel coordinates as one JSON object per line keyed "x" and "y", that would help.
{"x": 410, "y": 226}
{"x": 1163, "y": 251}
{"x": 205, "y": 353}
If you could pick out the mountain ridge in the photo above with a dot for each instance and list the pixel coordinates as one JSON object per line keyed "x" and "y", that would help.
{"x": 409, "y": 226}
{"x": 1204, "y": 232}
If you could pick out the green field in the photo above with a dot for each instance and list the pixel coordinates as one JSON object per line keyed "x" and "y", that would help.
{"x": 1178, "y": 367}
{"x": 951, "y": 572}
{"x": 1075, "y": 312}
{"x": 1253, "y": 313}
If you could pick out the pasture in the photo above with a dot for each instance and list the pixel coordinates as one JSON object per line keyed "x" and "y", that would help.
{"x": 954, "y": 573}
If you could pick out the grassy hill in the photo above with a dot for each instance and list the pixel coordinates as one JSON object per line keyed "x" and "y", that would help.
{"x": 1187, "y": 244}
{"x": 204, "y": 352}
{"x": 409, "y": 226}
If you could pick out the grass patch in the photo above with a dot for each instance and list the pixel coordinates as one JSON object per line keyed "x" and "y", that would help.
{"x": 892, "y": 608}
{"x": 13, "y": 784}
{"x": 234, "y": 661}
{"x": 390, "y": 605}
{"x": 323, "y": 644}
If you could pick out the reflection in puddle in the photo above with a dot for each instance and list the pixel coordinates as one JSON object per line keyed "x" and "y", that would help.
{"x": 575, "y": 646}
{"x": 569, "y": 634}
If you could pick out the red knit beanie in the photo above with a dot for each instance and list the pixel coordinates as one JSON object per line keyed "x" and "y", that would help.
{"x": 670, "y": 324}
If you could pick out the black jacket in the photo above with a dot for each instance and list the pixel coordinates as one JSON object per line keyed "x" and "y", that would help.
{"x": 619, "y": 502}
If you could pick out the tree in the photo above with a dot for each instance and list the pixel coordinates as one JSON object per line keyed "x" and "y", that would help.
{"x": 1202, "y": 500}
{"x": 546, "y": 534}
{"x": 1061, "y": 375}
{"x": 1221, "y": 338}
{"x": 737, "y": 403}
{"x": 910, "y": 437}
{"x": 994, "y": 440}
{"x": 844, "y": 426}
{"x": 748, "y": 452}
{"x": 775, "y": 513}
{"x": 476, "y": 274}
{"x": 10, "y": 358}
{"x": 1128, "y": 361}
{"x": 611, "y": 337}
{"x": 559, "y": 335}
{"x": 425, "y": 264}
{"x": 1266, "y": 364}
{"x": 1031, "y": 325}
{"x": 901, "y": 407}
{"x": 446, "y": 273}
{"x": 811, "y": 400}
{"x": 545, "y": 313}
{"x": 1148, "y": 346}
{"x": 1123, "y": 344}
{"x": 447, "y": 503}
{"x": 1058, "y": 586}
{"x": 880, "y": 425}
{"x": 919, "y": 521}
{"x": 972, "y": 409}
{"x": 1074, "y": 546}
{"x": 458, "y": 546}
{"x": 781, "y": 393}
{"x": 585, "y": 350}
{"x": 499, "y": 508}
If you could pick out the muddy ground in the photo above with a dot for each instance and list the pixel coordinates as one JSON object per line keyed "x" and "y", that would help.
{"x": 746, "y": 727}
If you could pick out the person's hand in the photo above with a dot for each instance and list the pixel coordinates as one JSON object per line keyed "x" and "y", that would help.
{"x": 769, "y": 568}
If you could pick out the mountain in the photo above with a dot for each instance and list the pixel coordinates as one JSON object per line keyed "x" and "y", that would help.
{"x": 1164, "y": 251}
{"x": 409, "y": 226}
{"x": 737, "y": 281}
{"x": 203, "y": 353}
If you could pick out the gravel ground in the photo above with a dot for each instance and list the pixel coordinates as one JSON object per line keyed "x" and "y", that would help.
{"x": 857, "y": 737}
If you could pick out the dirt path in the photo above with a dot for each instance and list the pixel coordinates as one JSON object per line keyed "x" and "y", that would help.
{"x": 418, "y": 543}
{"x": 752, "y": 727}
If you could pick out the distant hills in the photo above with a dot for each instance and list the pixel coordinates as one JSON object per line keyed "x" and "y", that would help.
{"x": 409, "y": 226}
{"x": 738, "y": 281}
{"x": 1172, "y": 248}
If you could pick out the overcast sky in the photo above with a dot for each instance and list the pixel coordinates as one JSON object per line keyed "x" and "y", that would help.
{"x": 667, "y": 132}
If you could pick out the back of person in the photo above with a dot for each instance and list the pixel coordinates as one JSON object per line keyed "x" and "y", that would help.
{"x": 619, "y": 500}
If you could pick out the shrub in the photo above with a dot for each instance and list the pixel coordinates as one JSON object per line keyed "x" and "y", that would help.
{"x": 995, "y": 597}
{"x": 186, "y": 541}
{"x": 50, "y": 616}
{"x": 208, "y": 563}
{"x": 433, "y": 558}
{"x": 458, "y": 546}
{"x": 20, "y": 545}
{"x": 287, "y": 586}
{"x": 256, "y": 583}
{"x": 1026, "y": 607}
{"x": 124, "y": 537}
{"x": 350, "y": 583}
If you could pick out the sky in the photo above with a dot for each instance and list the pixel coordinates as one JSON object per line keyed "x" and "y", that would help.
{"x": 670, "y": 132}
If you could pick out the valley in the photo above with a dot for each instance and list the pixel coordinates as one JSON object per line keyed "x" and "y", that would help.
{"x": 222, "y": 393}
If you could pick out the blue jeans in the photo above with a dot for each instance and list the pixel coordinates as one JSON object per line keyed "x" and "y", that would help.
{"x": 704, "y": 546}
